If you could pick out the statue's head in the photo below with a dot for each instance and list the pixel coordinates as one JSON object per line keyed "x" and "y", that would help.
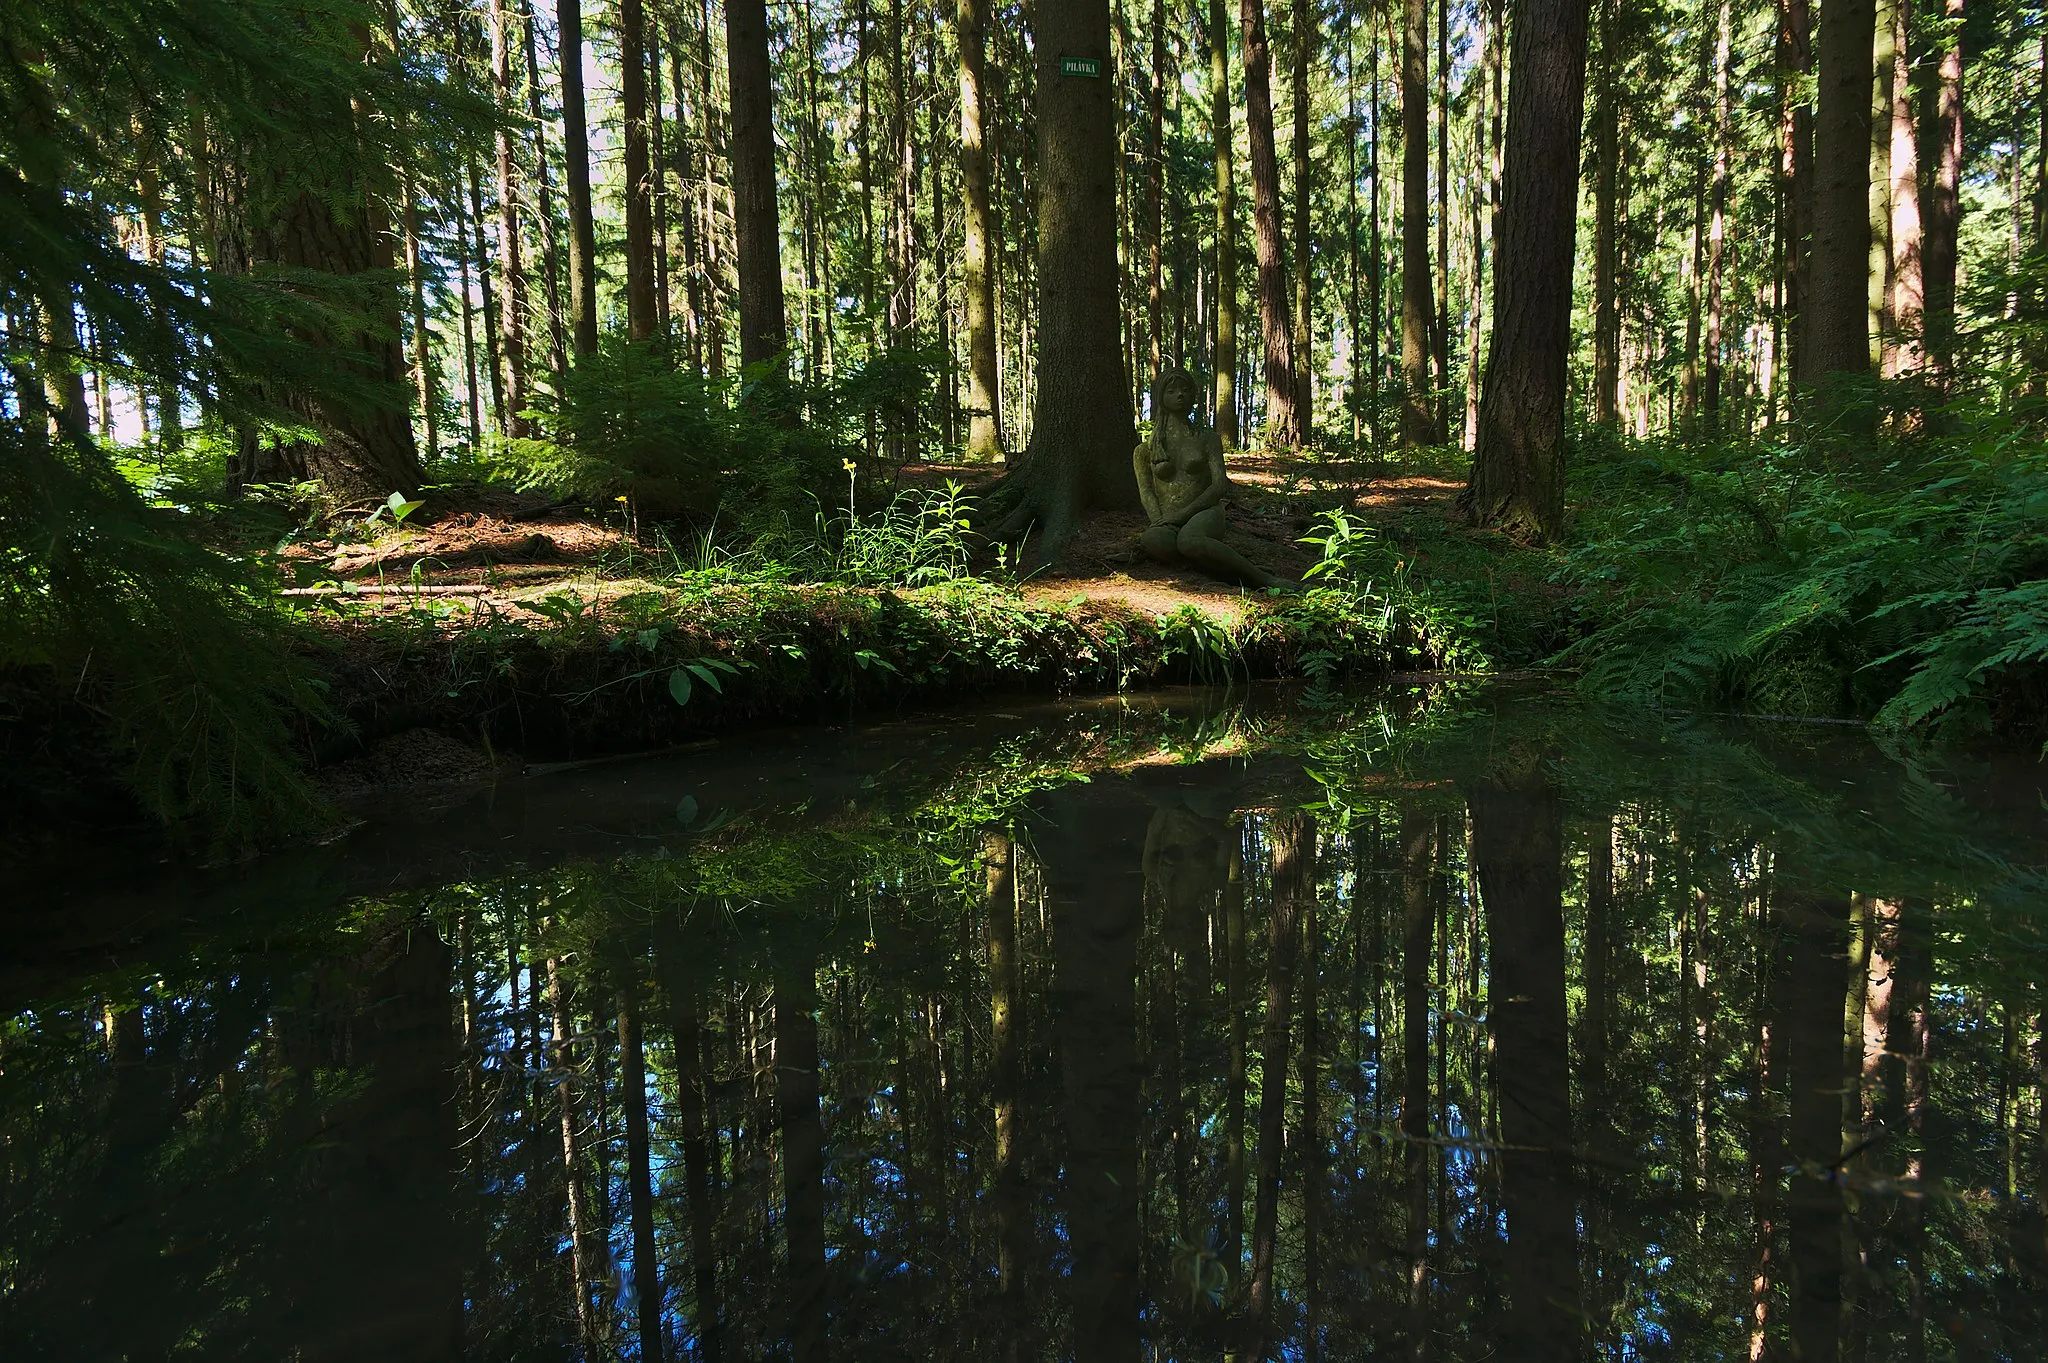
{"x": 1175, "y": 391}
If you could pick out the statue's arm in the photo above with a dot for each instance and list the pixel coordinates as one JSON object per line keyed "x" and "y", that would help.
{"x": 1141, "y": 469}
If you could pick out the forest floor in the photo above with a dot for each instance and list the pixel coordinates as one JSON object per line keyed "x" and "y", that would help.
{"x": 483, "y": 552}
{"x": 501, "y": 622}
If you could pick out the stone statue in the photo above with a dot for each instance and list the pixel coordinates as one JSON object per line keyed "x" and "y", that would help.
{"x": 1181, "y": 481}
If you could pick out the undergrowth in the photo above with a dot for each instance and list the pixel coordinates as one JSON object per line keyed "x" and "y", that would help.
{"x": 1901, "y": 577}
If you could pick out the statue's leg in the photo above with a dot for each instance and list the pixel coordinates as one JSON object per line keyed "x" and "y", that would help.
{"x": 1159, "y": 544}
{"x": 1201, "y": 543}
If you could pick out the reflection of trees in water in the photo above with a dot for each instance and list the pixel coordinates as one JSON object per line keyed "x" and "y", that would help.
{"x": 1129, "y": 1070}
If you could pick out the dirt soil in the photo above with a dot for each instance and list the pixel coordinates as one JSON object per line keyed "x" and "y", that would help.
{"x": 482, "y": 551}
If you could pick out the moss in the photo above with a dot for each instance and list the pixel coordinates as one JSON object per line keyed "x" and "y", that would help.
{"x": 668, "y": 663}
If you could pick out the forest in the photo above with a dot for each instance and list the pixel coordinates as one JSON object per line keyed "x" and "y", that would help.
{"x": 1697, "y": 350}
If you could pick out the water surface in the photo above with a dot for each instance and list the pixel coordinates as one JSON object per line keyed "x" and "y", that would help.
{"x": 1197, "y": 1027}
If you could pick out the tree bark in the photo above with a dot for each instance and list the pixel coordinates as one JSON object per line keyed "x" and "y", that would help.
{"x": 757, "y": 222}
{"x": 1305, "y": 34}
{"x": 1836, "y": 322}
{"x": 1795, "y": 170}
{"x": 639, "y": 187}
{"x": 1941, "y": 208}
{"x": 978, "y": 279}
{"x": 1418, "y": 307}
{"x": 1283, "y": 423}
{"x": 1517, "y": 481}
{"x": 1155, "y": 192}
{"x": 493, "y": 356}
{"x": 1606, "y": 220}
{"x": 544, "y": 203}
{"x": 511, "y": 266}
{"x": 1909, "y": 289}
{"x": 365, "y": 447}
{"x": 1220, "y": 139}
{"x": 576, "y": 159}
{"x": 1717, "y": 220}
{"x": 1082, "y": 431}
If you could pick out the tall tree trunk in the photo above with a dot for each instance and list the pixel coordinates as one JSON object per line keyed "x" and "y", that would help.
{"x": 1375, "y": 308}
{"x": 1418, "y": 309}
{"x": 415, "y": 275}
{"x": 1942, "y": 207}
{"x": 1440, "y": 332}
{"x": 657, "y": 135}
{"x": 544, "y": 201}
{"x": 576, "y": 160}
{"x": 1517, "y": 482}
{"x": 471, "y": 396}
{"x": 639, "y": 1176}
{"x": 1082, "y": 431}
{"x": 364, "y": 447}
{"x": 641, "y": 312}
{"x": 1155, "y": 192}
{"x": 1283, "y": 422}
{"x": 1354, "y": 316}
{"x": 757, "y": 222}
{"x": 1717, "y": 218}
{"x": 1909, "y": 291}
{"x": 1220, "y": 139}
{"x": 511, "y": 267}
{"x": 1418, "y": 921}
{"x": 803, "y": 1155}
{"x": 493, "y": 356}
{"x": 978, "y": 277}
{"x": 1294, "y": 856}
{"x": 713, "y": 239}
{"x": 1606, "y": 220}
{"x": 684, "y": 134}
{"x": 1835, "y": 321}
{"x": 1795, "y": 170}
{"x": 1517, "y": 845}
{"x": 1306, "y": 31}
{"x": 1878, "y": 272}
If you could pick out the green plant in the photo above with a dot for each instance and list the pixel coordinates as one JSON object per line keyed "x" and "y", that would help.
{"x": 921, "y": 537}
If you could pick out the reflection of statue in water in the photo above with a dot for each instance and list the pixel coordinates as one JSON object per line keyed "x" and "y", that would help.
{"x": 1181, "y": 481}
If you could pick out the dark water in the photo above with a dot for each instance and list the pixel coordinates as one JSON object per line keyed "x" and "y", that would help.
{"x": 1459, "y": 1027}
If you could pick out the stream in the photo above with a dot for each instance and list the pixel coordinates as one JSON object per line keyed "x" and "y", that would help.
{"x": 1199, "y": 1025}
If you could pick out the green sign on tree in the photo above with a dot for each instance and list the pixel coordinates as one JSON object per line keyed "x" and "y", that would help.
{"x": 1090, "y": 67}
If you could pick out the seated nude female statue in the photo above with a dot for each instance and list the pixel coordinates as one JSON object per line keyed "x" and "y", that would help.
{"x": 1181, "y": 481}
